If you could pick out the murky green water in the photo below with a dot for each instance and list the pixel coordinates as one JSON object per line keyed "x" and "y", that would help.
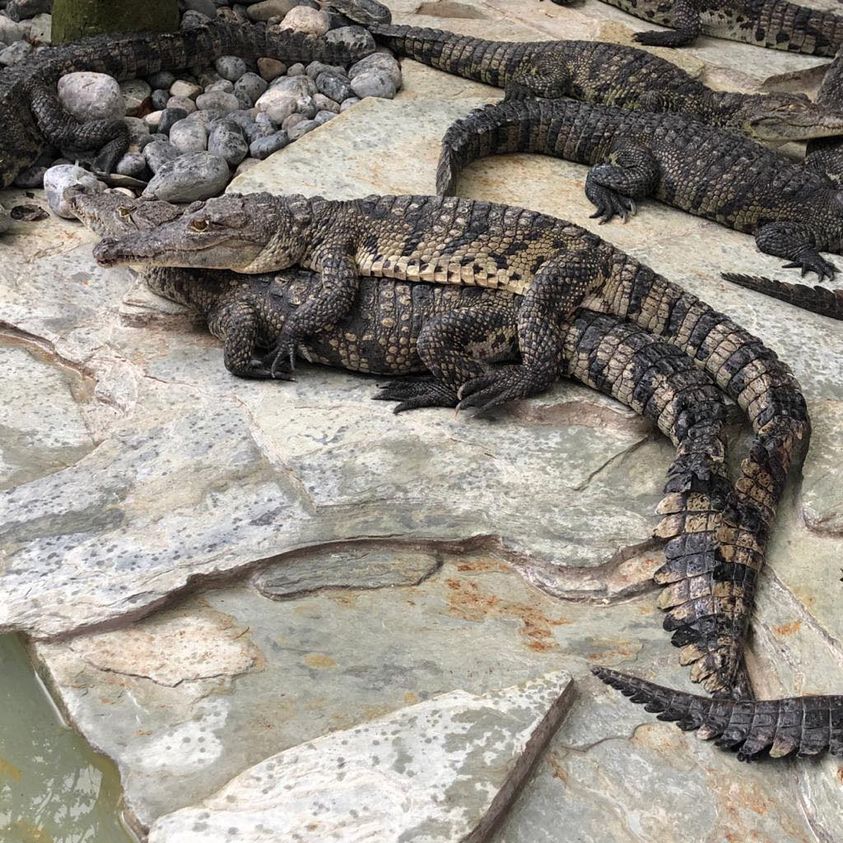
{"x": 53, "y": 787}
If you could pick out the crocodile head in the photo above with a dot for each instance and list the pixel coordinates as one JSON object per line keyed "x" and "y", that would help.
{"x": 778, "y": 118}
{"x": 254, "y": 233}
{"x": 110, "y": 213}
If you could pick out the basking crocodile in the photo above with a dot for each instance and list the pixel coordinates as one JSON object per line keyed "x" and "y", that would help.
{"x": 32, "y": 115}
{"x": 766, "y": 23}
{"x": 611, "y": 74}
{"x": 826, "y": 155}
{"x": 555, "y": 267}
{"x": 807, "y": 725}
{"x": 794, "y": 213}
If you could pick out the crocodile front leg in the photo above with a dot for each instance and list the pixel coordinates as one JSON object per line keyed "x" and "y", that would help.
{"x": 685, "y": 21}
{"x": 795, "y": 243}
{"x": 62, "y": 130}
{"x": 238, "y": 325}
{"x": 340, "y": 282}
{"x": 630, "y": 173}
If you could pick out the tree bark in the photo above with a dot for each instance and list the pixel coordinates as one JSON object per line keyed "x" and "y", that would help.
{"x": 74, "y": 19}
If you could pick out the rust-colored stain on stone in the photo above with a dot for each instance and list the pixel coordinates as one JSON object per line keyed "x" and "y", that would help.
{"x": 787, "y": 628}
{"x": 483, "y": 566}
{"x": 557, "y": 769}
{"x": 319, "y": 660}
{"x": 467, "y": 600}
{"x": 9, "y": 771}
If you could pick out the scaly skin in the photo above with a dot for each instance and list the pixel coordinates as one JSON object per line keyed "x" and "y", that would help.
{"x": 826, "y": 155}
{"x": 817, "y": 299}
{"x": 808, "y": 726}
{"x": 610, "y": 74}
{"x": 777, "y": 24}
{"x": 793, "y": 213}
{"x": 556, "y": 267}
{"x": 31, "y": 114}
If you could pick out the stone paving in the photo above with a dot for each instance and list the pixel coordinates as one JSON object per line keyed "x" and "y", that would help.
{"x": 222, "y": 579}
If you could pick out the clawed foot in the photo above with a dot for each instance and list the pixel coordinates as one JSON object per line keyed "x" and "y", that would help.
{"x": 414, "y": 394}
{"x": 661, "y": 39}
{"x": 281, "y": 360}
{"x": 610, "y": 204}
{"x": 507, "y": 383}
{"x": 813, "y": 262}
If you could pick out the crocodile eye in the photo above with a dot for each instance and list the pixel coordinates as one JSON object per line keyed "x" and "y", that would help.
{"x": 199, "y": 225}
{"x": 124, "y": 211}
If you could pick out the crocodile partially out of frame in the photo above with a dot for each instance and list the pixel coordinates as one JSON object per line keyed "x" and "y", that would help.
{"x": 555, "y": 267}
{"x": 777, "y": 24}
{"x": 31, "y": 114}
{"x": 793, "y": 212}
{"x": 611, "y": 74}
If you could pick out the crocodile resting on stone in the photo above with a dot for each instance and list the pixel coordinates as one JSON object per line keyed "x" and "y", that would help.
{"x": 777, "y": 24}
{"x": 610, "y": 74}
{"x": 615, "y": 357}
{"x": 31, "y": 114}
{"x": 554, "y": 267}
{"x": 793, "y": 212}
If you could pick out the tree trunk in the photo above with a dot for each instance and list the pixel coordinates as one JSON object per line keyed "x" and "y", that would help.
{"x": 74, "y": 19}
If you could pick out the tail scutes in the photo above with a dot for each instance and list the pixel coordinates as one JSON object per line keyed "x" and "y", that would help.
{"x": 817, "y": 299}
{"x": 807, "y": 725}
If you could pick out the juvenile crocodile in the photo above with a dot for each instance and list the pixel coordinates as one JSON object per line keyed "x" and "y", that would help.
{"x": 807, "y": 725}
{"x": 794, "y": 213}
{"x": 611, "y": 74}
{"x": 555, "y": 266}
{"x": 777, "y": 24}
{"x": 826, "y": 155}
{"x": 31, "y": 114}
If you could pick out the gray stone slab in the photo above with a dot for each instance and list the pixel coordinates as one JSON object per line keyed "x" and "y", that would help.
{"x": 438, "y": 771}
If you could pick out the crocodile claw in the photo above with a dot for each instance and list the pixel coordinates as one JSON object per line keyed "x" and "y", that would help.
{"x": 812, "y": 262}
{"x": 414, "y": 394}
{"x": 507, "y": 383}
{"x": 610, "y": 204}
{"x": 281, "y": 360}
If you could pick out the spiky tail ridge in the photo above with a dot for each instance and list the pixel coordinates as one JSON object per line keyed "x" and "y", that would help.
{"x": 816, "y": 299}
{"x": 711, "y": 607}
{"x": 807, "y": 725}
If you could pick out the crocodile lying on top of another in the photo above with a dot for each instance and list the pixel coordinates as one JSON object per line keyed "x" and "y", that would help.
{"x": 613, "y": 74}
{"x": 31, "y": 114}
{"x": 555, "y": 266}
{"x": 778, "y": 24}
{"x": 794, "y": 213}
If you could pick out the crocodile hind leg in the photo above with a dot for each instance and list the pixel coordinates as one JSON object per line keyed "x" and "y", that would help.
{"x": 63, "y": 130}
{"x": 683, "y": 18}
{"x": 455, "y": 346}
{"x": 557, "y": 289}
{"x": 796, "y": 244}
{"x": 612, "y": 187}
{"x": 541, "y": 75}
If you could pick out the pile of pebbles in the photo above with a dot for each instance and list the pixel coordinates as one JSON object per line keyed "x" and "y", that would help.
{"x": 191, "y": 133}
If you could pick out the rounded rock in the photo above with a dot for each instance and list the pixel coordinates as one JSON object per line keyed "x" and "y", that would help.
{"x": 138, "y": 130}
{"x": 188, "y": 178}
{"x": 226, "y": 140}
{"x": 324, "y": 103}
{"x": 159, "y": 99}
{"x": 221, "y": 86}
{"x": 158, "y": 153}
{"x": 383, "y": 62}
{"x": 298, "y": 86}
{"x": 323, "y": 117}
{"x": 250, "y": 86}
{"x": 374, "y": 83}
{"x": 184, "y": 103}
{"x": 91, "y": 96}
{"x": 291, "y": 121}
{"x": 302, "y": 128}
{"x": 218, "y": 101}
{"x": 271, "y": 69}
{"x": 58, "y": 179}
{"x": 333, "y": 86}
{"x": 192, "y": 20}
{"x": 183, "y": 88}
{"x": 230, "y": 67}
{"x": 306, "y": 20}
{"x": 135, "y": 93}
{"x": 30, "y": 178}
{"x": 206, "y": 8}
{"x": 161, "y": 79}
{"x": 278, "y": 105}
{"x": 269, "y": 9}
{"x": 354, "y": 37}
{"x": 15, "y": 53}
{"x": 264, "y": 147}
{"x": 169, "y": 117}
{"x": 346, "y": 104}
{"x": 189, "y": 136}
{"x": 132, "y": 164}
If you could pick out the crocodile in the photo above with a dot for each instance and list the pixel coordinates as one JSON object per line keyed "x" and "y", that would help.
{"x": 610, "y": 74}
{"x": 794, "y": 213}
{"x": 777, "y": 24}
{"x": 807, "y": 726}
{"x": 32, "y": 115}
{"x": 826, "y": 154}
{"x": 555, "y": 267}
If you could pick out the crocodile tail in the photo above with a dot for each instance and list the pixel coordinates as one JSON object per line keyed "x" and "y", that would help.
{"x": 817, "y": 299}
{"x": 523, "y": 125}
{"x": 806, "y": 725}
{"x": 462, "y": 55}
